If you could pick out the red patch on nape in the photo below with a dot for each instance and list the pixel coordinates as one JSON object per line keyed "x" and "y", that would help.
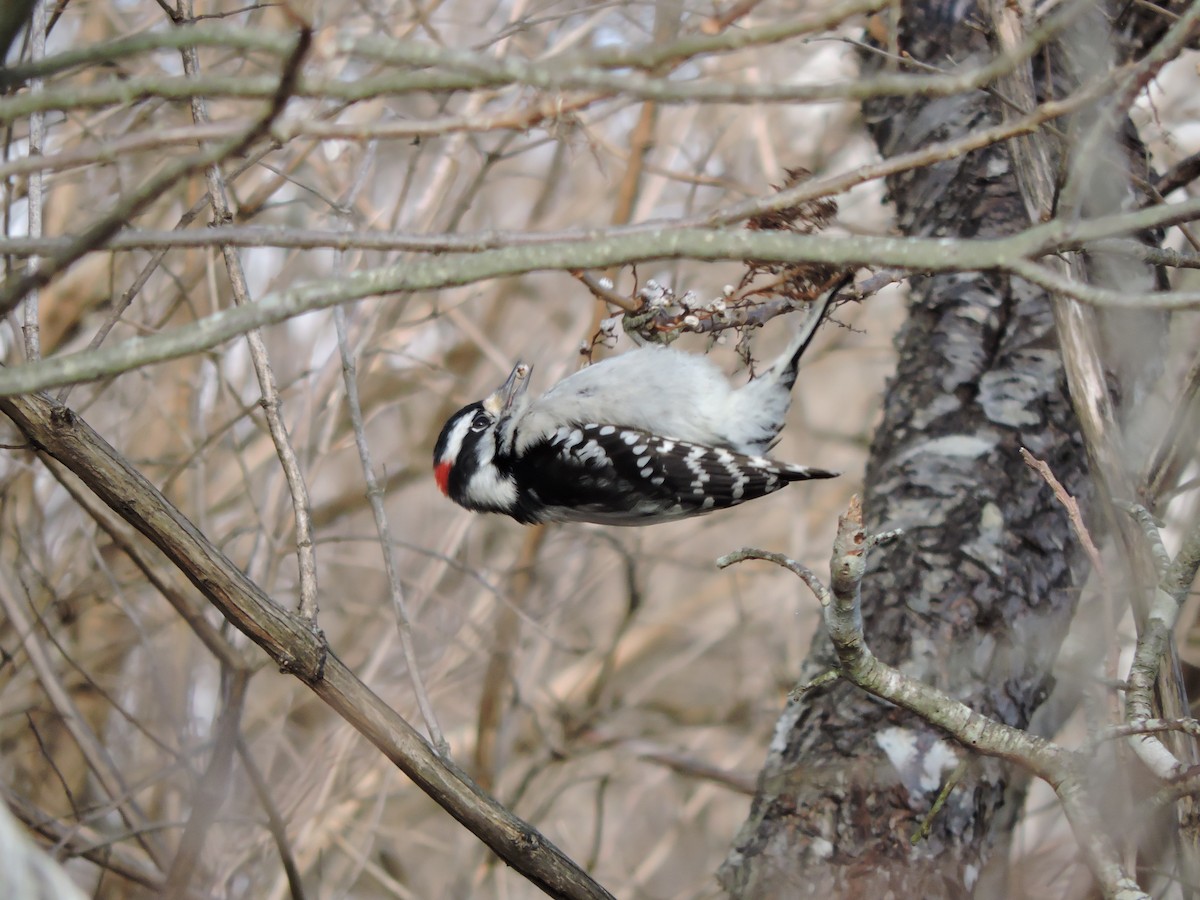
{"x": 441, "y": 474}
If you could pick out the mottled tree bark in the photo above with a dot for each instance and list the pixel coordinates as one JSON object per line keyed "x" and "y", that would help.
{"x": 977, "y": 596}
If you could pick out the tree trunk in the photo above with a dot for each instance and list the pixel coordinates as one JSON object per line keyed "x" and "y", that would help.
{"x": 977, "y": 595}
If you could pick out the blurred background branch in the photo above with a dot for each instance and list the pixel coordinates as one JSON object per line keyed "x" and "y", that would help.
{"x": 470, "y": 185}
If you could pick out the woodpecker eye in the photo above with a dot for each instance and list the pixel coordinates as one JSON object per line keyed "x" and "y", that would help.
{"x": 480, "y": 422}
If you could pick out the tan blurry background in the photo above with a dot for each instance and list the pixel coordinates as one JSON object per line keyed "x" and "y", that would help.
{"x": 643, "y": 684}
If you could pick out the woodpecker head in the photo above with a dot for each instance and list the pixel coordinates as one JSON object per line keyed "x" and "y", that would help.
{"x": 464, "y": 457}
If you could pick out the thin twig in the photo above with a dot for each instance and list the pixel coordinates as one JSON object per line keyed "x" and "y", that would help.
{"x": 551, "y": 75}
{"x": 275, "y": 823}
{"x": 218, "y": 196}
{"x": 502, "y": 646}
{"x": 375, "y": 498}
{"x": 99, "y": 761}
{"x": 185, "y": 606}
{"x": 212, "y": 788}
{"x": 844, "y": 621}
{"x": 133, "y": 202}
{"x": 804, "y": 572}
{"x": 584, "y": 251}
{"x": 827, "y": 677}
{"x": 375, "y": 493}
{"x": 943, "y": 795}
{"x": 31, "y": 327}
{"x": 79, "y": 840}
{"x": 293, "y": 644}
{"x": 691, "y": 767}
{"x": 1071, "y": 505}
{"x": 1149, "y": 528}
{"x": 135, "y": 288}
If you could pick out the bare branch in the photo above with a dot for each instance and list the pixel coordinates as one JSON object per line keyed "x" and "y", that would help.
{"x": 844, "y": 622}
{"x": 375, "y": 498}
{"x": 212, "y": 787}
{"x": 800, "y": 570}
{"x": 291, "y": 642}
{"x": 100, "y": 762}
{"x": 15, "y": 288}
{"x": 1072, "y": 507}
{"x": 29, "y": 872}
{"x": 593, "y": 252}
{"x": 218, "y": 195}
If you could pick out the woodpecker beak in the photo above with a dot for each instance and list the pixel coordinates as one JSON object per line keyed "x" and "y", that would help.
{"x": 514, "y": 387}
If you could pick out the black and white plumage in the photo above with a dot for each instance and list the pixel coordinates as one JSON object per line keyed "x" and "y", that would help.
{"x": 650, "y": 436}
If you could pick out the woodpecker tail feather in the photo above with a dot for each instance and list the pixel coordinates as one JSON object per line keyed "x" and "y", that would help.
{"x": 790, "y": 361}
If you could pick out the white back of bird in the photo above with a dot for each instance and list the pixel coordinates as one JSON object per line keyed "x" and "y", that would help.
{"x": 667, "y": 392}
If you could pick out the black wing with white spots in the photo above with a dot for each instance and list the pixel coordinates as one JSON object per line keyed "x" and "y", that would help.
{"x": 625, "y": 476}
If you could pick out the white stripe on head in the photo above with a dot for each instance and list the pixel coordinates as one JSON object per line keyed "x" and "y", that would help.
{"x": 455, "y": 437}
